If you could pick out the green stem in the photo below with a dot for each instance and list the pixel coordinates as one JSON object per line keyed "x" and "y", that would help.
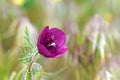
{"x": 29, "y": 76}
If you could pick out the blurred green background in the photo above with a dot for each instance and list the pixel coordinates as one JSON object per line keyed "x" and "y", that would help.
{"x": 92, "y": 30}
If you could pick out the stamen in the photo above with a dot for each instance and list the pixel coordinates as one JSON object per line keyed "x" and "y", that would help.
{"x": 53, "y": 44}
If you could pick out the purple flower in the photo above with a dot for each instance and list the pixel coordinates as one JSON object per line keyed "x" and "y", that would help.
{"x": 51, "y": 42}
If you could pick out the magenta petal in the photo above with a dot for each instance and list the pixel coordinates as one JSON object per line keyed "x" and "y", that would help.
{"x": 59, "y": 36}
{"x": 42, "y": 34}
{"x": 61, "y": 51}
{"x": 42, "y": 50}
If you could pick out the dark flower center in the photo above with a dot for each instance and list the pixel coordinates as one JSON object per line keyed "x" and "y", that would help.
{"x": 50, "y": 42}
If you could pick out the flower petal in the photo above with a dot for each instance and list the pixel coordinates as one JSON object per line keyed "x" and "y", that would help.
{"x": 60, "y": 51}
{"x": 42, "y": 34}
{"x": 42, "y": 50}
{"x": 59, "y": 36}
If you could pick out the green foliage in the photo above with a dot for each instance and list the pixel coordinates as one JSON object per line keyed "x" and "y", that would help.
{"x": 29, "y": 76}
{"x": 29, "y": 54}
{"x": 28, "y": 49}
{"x": 39, "y": 75}
{"x": 19, "y": 74}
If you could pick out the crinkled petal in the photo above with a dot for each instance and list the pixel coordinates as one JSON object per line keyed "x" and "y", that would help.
{"x": 59, "y": 36}
{"x": 42, "y": 34}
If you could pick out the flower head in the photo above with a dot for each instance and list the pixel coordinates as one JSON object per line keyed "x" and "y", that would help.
{"x": 51, "y": 42}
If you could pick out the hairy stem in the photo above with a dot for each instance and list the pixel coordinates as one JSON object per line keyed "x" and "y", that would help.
{"x": 29, "y": 76}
